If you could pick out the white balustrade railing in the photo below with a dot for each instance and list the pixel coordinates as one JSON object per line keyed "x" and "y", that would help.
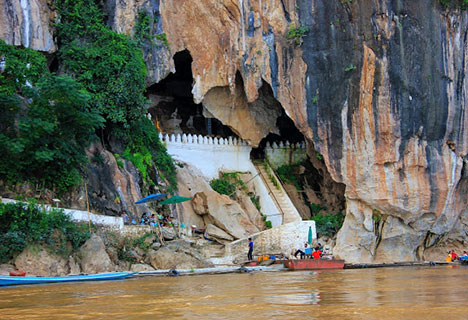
{"x": 285, "y": 145}
{"x": 199, "y": 139}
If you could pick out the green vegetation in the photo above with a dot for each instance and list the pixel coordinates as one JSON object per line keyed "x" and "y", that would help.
{"x": 268, "y": 224}
{"x": 42, "y": 138}
{"x": 270, "y": 175}
{"x": 228, "y": 183}
{"x": 23, "y": 224}
{"x": 296, "y": 33}
{"x": 314, "y": 99}
{"x": 351, "y": 67}
{"x": 142, "y": 243}
{"x": 286, "y": 175}
{"x": 142, "y": 31}
{"x": 162, "y": 37}
{"x": 109, "y": 65}
{"x": 255, "y": 200}
{"x": 328, "y": 224}
{"x": 316, "y": 208}
{"x": 461, "y": 4}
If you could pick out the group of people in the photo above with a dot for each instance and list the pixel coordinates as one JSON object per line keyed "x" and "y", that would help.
{"x": 148, "y": 219}
{"x": 316, "y": 252}
{"x": 453, "y": 256}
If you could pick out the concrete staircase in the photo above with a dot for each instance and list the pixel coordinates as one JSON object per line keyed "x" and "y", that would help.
{"x": 279, "y": 195}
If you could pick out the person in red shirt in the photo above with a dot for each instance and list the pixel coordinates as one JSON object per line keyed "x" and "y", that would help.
{"x": 317, "y": 254}
{"x": 454, "y": 256}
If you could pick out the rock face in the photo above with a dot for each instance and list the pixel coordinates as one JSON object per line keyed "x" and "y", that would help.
{"x": 378, "y": 88}
{"x": 213, "y": 231}
{"x": 113, "y": 187}
{"x": 93, "y": 256}
{"x": 238, "y": 219}
{"x": 225, "y": 213}
{"x": 177, "y": 256}
{"x": 27, "y": 24}
{"x": 38, "y": 261}
{"x": 382, "y": 101}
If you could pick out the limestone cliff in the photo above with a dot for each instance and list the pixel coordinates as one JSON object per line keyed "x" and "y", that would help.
{"x": 377, "y": 87}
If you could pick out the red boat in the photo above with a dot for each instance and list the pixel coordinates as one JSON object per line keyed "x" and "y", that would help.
{"x": 311, "y": 264}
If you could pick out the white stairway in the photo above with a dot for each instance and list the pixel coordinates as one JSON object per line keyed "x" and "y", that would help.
{"x": 279, "y": 195}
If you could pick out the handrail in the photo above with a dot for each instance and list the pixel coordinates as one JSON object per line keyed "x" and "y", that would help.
{"x": 270, "y": 191}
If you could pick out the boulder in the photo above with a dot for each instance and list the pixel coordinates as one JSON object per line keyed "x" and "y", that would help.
{"x": 225, "y": 213}
{"x": 6, "y": 268}
{"x": 254, "y": 215}
{"x": 200, "y": 204}
{"x": 213, "y": 231}
{"x": 93, "y": 256}
{"x": 155, "y": 246}
{"x": 113, "y": 254}
{"x": 123, "y": 266}
{"x": 168, "y": 233}
{"x": 165, "y": 258}
{"x": 73, "y": 266}
{"x": 141, "y": 267}
{"x": 37, "y": 260}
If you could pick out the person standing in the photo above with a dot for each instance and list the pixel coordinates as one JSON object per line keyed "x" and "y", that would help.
{"x": 251, "y": 245}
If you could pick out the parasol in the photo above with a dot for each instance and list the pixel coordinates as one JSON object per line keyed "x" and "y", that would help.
{"x": 309, "y": 238}
{"x": 151, "y": 197}
{"x": 175, "y": 199}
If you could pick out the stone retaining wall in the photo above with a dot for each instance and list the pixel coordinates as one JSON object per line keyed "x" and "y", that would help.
{"x": 279, "y": 240}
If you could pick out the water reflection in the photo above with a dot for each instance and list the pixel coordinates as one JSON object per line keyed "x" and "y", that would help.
{"x": 388, "y": 293}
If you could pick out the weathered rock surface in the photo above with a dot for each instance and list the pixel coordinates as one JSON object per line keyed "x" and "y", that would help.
{"x": 225, "y": 213}
{"x": 176, "y": 258}
{"x": 27, "y": 24}
{"x": 112, "y": 187}
{"x": 141, "y": 267}
{"x": 379, "y": 91}
{"x": 93, "y": 256}
{"x": 168, "y": 233}
{"x": 213, "y": 231}
{"x": 37, "y": 260}
{"x": 73, "y": 265}
{"x": 5, "y": 269}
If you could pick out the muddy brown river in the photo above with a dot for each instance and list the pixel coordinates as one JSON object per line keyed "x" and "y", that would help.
{"x": 387, "y": 293}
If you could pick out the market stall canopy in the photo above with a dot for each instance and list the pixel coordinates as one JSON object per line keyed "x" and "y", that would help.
{"x": 175, "y": 199}
{"x": 152, "y": 197}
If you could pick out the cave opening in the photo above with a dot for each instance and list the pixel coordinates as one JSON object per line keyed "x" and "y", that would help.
{"x": 286, "y": 131}
{"x": 299, "y": 167}
{"x": 172, "y": 107}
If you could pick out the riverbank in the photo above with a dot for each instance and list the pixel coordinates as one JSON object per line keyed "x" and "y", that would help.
{"x": 280, "y": 267}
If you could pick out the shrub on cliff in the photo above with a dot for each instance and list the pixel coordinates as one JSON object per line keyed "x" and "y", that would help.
{"x": 228, "y": 183}
{"x": 22, "y": 224}
{"x": 328, "y": 224}
{"x": 111, "y": 68}
{"x": 47, "y": 122}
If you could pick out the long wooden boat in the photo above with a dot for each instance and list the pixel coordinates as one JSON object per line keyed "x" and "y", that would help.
{"x": 9, "y": 281}
{"x": 312, "y": 264}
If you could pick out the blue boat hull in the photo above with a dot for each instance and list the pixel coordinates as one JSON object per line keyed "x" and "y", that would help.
{"x": 9, "y": 281}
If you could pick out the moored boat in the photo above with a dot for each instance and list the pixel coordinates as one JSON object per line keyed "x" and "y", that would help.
{"x": 312, "y": 264}
{"x": 9, "y": 281}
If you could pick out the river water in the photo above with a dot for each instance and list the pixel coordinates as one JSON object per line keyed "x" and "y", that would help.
{"x": 385, "y": 293}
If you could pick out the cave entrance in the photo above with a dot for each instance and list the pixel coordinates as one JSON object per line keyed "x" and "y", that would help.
{"x": 172, "y": 106}
{"x": 286, "y": 131}
{"x": 300, "y": 169}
